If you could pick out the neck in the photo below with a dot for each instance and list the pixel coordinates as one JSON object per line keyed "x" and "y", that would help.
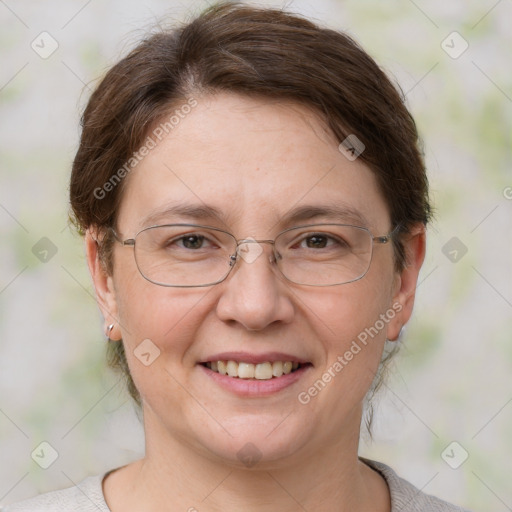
{"x": 176, "y": 476}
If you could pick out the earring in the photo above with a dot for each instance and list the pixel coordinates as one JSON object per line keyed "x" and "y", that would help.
{"x": 109, "y": 330}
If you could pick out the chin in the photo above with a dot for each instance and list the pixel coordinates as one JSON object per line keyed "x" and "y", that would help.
{"x": 256, "y": 442}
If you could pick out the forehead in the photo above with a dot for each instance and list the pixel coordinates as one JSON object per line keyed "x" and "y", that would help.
{"x": 238, "y": 161}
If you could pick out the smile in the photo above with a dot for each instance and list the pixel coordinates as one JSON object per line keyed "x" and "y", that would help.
{"x": 261, "y": 371}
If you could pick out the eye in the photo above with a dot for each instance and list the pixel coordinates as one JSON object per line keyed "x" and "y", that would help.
{"x": 322, "y": 241}
{"x": 316, "y": 241}
{"x": 191, "y": 241}
{"x": 181, "y": 241}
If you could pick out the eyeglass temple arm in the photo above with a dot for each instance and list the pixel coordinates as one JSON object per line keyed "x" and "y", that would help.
{"x": 384, "y": 239}
{"x": 129, "y": 241}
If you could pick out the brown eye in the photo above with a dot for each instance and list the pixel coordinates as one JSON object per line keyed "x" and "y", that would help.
{"x": 321, "y": 241}
{"x": 316, "y": 241}
{"x": 192, "y": 241}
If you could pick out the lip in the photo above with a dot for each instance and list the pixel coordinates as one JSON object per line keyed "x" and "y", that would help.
{"x": 253, "y": 387}
{"x": 248, "y": 357}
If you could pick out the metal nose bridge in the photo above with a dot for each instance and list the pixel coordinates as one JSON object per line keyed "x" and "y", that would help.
{"x": 272, "y": 258}
{"x": 251, "y": 240}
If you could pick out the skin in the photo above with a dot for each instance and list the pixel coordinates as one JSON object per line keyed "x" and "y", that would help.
{"x": 254, "y": 160}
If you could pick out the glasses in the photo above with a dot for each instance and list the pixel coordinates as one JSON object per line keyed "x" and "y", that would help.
{"x": 191, "y": 255}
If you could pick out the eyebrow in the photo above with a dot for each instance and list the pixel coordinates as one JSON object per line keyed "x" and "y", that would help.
{"x": 204, "y": 212}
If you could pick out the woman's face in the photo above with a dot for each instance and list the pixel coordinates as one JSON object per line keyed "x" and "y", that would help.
{"x": 254, "y": 161}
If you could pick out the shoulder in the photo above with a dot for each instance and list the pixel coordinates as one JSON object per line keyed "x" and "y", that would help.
{"x": 407, "y": 498}
{"x": 87, "y": 496}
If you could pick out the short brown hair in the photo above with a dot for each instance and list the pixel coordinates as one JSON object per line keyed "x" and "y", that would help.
{"x": 253, "y": 51}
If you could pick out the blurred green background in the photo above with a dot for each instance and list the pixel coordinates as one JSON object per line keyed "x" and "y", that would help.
{"x": 452, "y": 379}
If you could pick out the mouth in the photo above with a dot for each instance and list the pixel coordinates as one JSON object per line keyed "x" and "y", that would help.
{"x": 267, "y": 370}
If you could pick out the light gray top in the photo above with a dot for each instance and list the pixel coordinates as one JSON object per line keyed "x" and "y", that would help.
{"x": 87, "y": 496}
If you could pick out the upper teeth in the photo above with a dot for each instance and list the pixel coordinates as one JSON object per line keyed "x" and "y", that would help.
{"x": 261, "y": 371}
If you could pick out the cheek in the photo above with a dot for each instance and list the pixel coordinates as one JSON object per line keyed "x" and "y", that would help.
{"x": 160, "y": 325}
{"x": 162, "y": 322}
{"x": 166, "y": 316}
{"x": 348, "y": 310}
{"x": 351, "y": 329}
{"x": 352, "y": 324}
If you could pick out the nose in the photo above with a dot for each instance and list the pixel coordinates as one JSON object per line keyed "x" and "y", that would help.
{"x": 255, "y": 294}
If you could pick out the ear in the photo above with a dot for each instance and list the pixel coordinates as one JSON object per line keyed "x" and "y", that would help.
{"x": 406, "y": 281}
{"x": 103, "y": 285}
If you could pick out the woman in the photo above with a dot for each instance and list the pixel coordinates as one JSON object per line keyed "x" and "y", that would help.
{"x": 254, "y": 206}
